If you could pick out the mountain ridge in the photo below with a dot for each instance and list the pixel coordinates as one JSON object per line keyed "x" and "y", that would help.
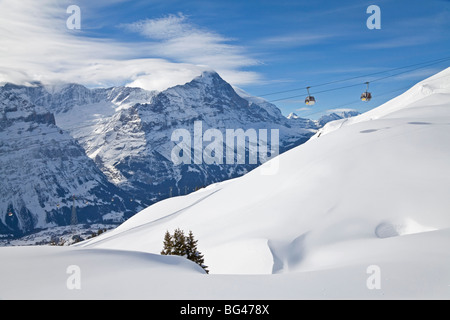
{"x": 127, "y": 132}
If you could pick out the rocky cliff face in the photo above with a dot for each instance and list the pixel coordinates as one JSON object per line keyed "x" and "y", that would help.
{"x": 44, "y": 172}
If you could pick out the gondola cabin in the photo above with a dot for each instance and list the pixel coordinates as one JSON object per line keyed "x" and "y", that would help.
{"x": 366, "y": 96}
{"x": 310, "y": 100}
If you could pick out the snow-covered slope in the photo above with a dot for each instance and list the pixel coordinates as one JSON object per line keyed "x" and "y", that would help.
{"x": 359, "y": 212}
{"x": 70, "y": 273}
{"x": 430, "y": 92}
{"x": 371, "y": 192}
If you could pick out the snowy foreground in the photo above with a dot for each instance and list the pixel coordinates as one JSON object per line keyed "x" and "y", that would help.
{"x": 361, "y": 211}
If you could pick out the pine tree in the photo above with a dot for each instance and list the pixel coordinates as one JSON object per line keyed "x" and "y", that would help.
{"x": 168, "y": 244}
{"x": 192, "y": 252}
{"x": 191, "y": 246}
{"x": 179, "y": 243}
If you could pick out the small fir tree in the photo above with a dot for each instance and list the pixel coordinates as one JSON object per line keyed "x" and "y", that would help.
{"x": 179, "y": 243}
{"x": 192, "y": 252}
{"x": 168, "y": 244}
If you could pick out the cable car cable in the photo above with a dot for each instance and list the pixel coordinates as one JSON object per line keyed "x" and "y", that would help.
{"x": 357, "y": 84}
{"x": 357, "y": 77}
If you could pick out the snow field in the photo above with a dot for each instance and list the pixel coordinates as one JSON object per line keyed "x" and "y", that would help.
{"x": 359, "y": 212}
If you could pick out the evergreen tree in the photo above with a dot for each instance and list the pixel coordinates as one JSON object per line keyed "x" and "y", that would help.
{"x": 168, "y": 244}
{"x": 192, "y": 252}
{"x": 191, "y": 246}
{"x": 179, "y": 243}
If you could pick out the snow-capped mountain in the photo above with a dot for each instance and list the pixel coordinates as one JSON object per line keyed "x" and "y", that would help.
{"x": 133, "y": 147}
{"x": 323, "y": 120}
{"x": 292, "y": 115}
{"x": 63, "y": 98}
{"x": 127, "y": 132}
{"x": 45, "y": 172}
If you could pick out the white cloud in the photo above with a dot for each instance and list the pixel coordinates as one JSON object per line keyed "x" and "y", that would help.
{"x": 398, "y": 42}
{"x": 169, "y": 27}
{"x": 297, "y": 40}
{"x": 37, "y": 46}
{"x": 175, "y": 37}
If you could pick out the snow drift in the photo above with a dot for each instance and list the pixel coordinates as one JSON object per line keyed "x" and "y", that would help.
{"x": 70, "y": 273}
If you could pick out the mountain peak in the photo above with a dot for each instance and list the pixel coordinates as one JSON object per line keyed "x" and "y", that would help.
{"x": 210, "y": 86}
{"x": 292, "y": 115}
{"x": 210, "y": 74}
{"x": 209, "y": 77}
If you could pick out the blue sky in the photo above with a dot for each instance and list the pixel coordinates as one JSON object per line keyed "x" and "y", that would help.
{"x": 260, "y": 46}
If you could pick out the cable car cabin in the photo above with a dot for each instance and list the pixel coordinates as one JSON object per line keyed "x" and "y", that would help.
{"x": 310, "y": 101}
{"x": 366, "y": 96}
